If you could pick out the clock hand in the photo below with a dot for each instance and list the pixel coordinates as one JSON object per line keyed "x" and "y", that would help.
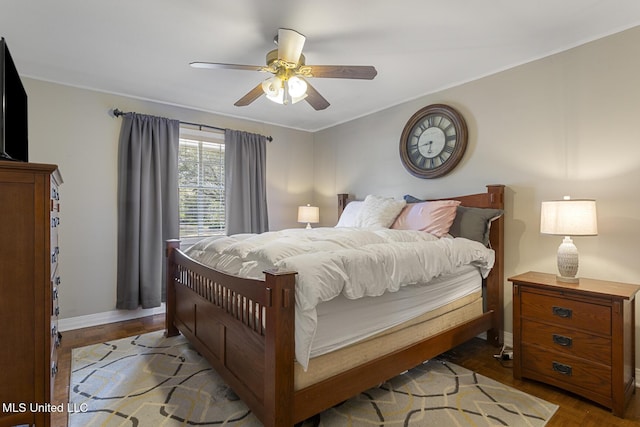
{"x": 429, "y": 151}
{"x": 428, "y": 142}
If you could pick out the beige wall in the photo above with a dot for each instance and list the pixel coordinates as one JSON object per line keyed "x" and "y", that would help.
{"x": 564, "y": 125}
{"x": 72, "y": 128}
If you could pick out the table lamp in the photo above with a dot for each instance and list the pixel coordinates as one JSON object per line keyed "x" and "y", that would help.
{"x": 568, "y": 217}
{"x": 309, "y": 214}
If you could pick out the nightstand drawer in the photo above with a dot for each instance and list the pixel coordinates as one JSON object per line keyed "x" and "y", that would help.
{"x": 566, "y": 312}
{"x": 568, "y": 341}
{"x": 570, "y": 371}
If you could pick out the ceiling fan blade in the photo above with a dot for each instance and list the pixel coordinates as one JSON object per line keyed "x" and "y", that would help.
{"x": 290, "y": 44}
{"x": 226, "y": 66}
{"x": 251, "y": 96}
{"x": 366, "y": 72}
{"x": 314, "y": 98}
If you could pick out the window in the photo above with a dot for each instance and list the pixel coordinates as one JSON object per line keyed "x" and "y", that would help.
{"x": 201, "y": 184}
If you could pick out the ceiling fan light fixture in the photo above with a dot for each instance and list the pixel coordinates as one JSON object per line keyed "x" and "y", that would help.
{"x": 289, "y": 71}
{"x": 297, "y": 87}
{"x": 272, "y": 86}
{"x": 289, "y": 91}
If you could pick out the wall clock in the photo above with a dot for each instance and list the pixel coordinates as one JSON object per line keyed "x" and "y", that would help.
{"x": 433, "y": 141}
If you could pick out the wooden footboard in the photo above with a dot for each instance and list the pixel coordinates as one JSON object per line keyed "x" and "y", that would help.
{"x": 245, "y": 329}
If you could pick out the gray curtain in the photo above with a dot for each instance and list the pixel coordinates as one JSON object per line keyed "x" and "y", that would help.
{"x": 245, "y": 182}
{"x": 147, "y": 207}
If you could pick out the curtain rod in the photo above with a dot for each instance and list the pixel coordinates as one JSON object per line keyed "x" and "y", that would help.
{"x": 118, "y": 113}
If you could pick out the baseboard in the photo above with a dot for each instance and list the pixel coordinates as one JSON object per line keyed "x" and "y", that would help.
{"x": 106, "y": 317}
{"x": 508, "y": 339}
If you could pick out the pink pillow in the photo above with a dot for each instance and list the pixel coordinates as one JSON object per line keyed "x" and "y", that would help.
{"x": 433, "y": 217}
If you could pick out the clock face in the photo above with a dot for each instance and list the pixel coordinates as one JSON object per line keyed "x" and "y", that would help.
{"x": 433, "y": 141}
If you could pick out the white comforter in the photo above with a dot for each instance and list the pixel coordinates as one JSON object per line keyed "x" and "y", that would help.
{"x": 353, "y": 261}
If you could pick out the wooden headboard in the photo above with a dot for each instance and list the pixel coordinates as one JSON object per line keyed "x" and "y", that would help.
{"x": 492, "y": 198}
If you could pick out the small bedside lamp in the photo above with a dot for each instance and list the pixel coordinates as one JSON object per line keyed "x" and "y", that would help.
{"x": 567, "y": 218}
{"x": 309, "y": 214}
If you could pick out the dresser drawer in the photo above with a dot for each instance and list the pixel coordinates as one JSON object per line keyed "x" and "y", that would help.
{"x": 566, "y": 312}
{"x": 54, "y": 196}
{"x": 55, "y": 223}
{"x": 568, "y": 341}
{"x": 572, "y": 372}
{"x": 53, "y": 372}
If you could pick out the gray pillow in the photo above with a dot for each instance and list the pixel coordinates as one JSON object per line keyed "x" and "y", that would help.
{"x": 470, "y": 223}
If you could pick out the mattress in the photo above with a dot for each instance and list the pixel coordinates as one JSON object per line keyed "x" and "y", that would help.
{"x": 343, "y": 321}
{"x": 455, "y": 313}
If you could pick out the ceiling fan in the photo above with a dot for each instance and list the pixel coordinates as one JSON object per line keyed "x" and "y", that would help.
{"x": 288, "y": 84}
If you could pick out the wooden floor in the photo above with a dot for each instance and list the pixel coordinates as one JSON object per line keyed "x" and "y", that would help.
{"x": 475, "y": 355}
{"x": 88, "y": 336}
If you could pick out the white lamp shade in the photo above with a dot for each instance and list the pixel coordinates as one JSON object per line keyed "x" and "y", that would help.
{"x": 308, "y": 214}
{"x": 297, "y": 88}
{"x": 290, "y": 91}
{"x": 272, "y": 87}
{"x": 572, "y": 217}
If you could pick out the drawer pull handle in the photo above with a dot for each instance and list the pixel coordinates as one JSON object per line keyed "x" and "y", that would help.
{"x": 562, "y": 368}
{"x": 54, "y": 255}
{"x": 562, "y": 340}
{"x": 562, "y": 312}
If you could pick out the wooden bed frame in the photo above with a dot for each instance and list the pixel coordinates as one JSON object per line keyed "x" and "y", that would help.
{"x": 214, "y": 311}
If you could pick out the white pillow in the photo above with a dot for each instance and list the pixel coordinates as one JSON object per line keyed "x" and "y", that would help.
{"x": 350, "y": 214}
{"x": 379, "y": 211}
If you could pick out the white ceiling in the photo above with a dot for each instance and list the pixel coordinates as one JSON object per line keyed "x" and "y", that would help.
{"x": 142, "y": 48}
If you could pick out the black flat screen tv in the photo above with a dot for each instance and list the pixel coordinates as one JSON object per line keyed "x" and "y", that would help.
{"x": 14, "y": 132}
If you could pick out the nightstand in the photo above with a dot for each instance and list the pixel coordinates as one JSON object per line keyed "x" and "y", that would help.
{"x": 576, "y": 336}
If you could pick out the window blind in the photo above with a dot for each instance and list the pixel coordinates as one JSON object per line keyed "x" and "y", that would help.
{"x": 201, "y": 187}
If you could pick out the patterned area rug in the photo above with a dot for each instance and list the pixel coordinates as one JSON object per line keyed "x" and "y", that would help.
{"x": 150, "y": 380}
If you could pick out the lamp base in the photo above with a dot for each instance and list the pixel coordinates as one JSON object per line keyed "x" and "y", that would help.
{"x": 567, "y": 279}
{"x": 567, "y": 261}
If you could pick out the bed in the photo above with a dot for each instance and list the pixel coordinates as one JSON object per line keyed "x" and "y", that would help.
{"x": 245, "y": 328}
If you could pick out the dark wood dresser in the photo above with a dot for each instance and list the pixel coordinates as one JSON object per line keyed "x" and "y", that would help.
{"x": 576, "y": 336}
{"x": 29, "y": 278}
